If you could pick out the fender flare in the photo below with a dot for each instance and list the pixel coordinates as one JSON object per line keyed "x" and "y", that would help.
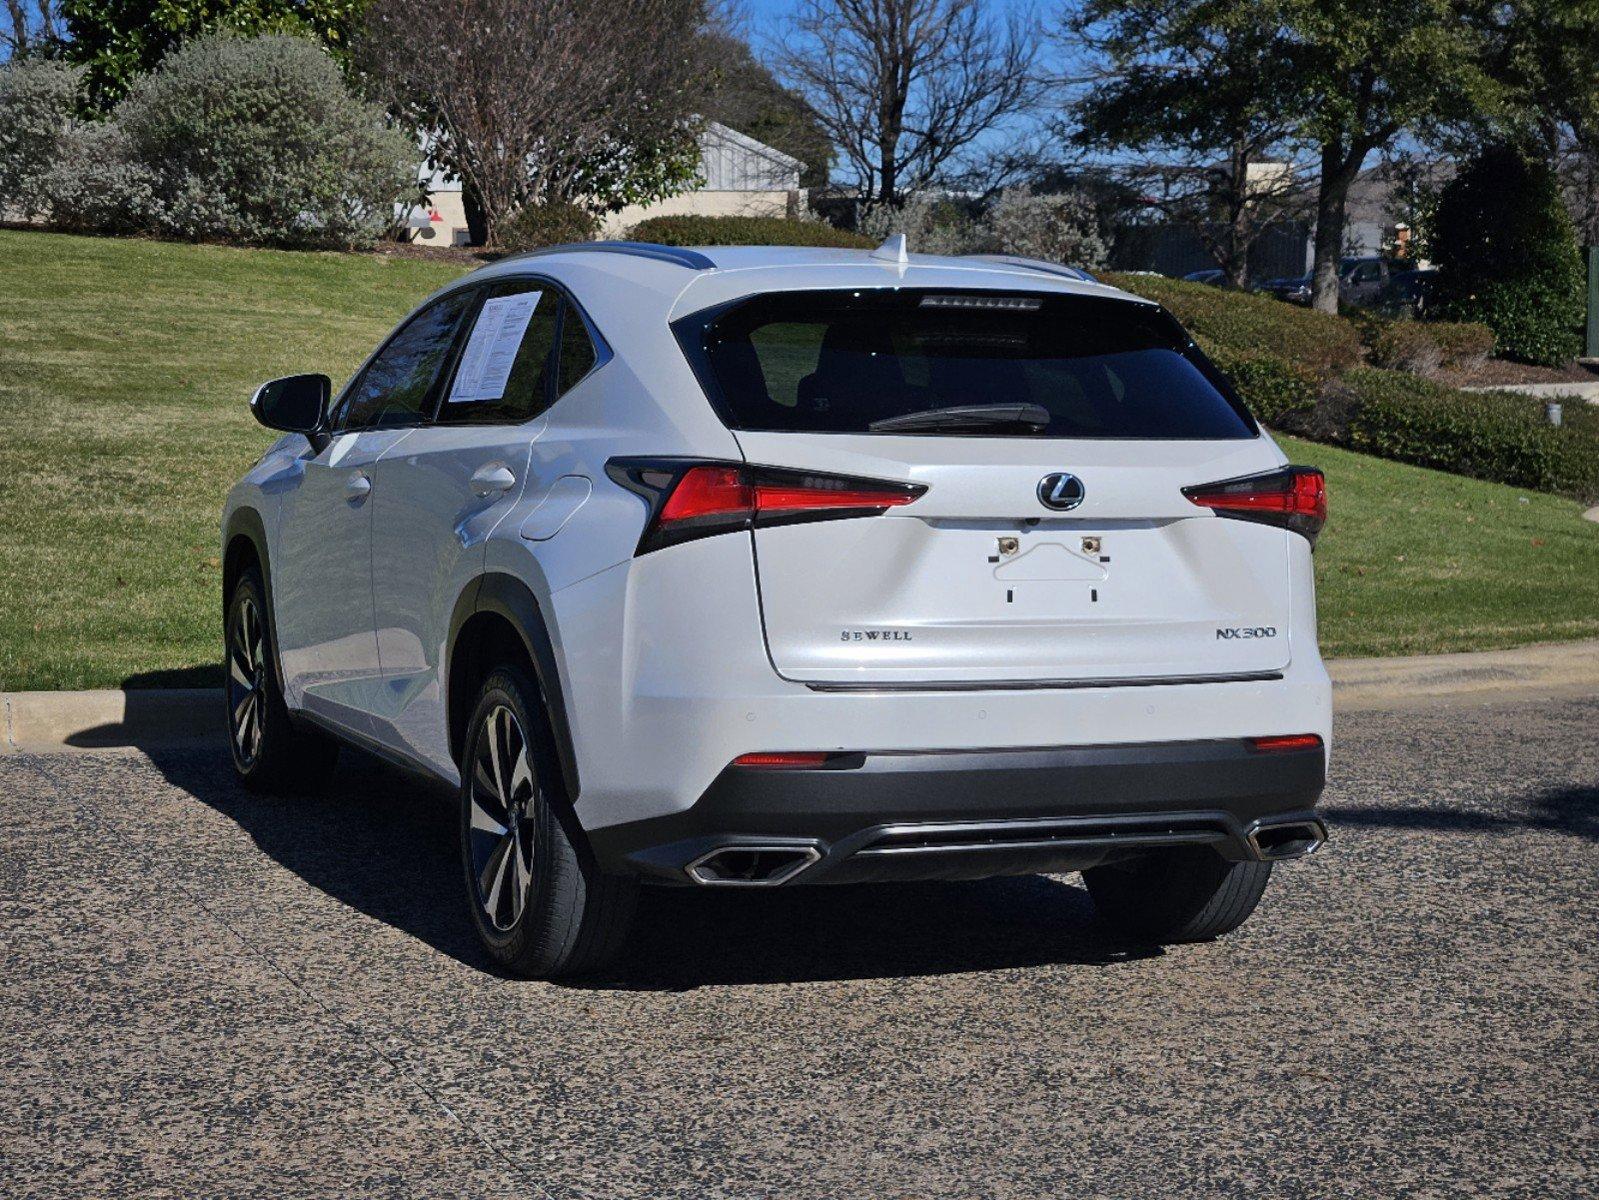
{"x": 245, "y": 522}
{"x": 508, "y": 597}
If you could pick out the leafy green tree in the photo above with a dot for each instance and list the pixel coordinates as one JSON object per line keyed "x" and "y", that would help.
{"x": 118, "y": 40}
{"x": 1194, "y": 99}
{"x": 743, "y": 95}
{"x": 1366, "y": 70}
{"x": 1509, "y": 256}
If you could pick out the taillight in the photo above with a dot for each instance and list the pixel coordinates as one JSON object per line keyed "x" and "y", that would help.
{"x": 1277, "y": 743}
{"x": 1291, "y": 497}
{"x": 693, "y": 500}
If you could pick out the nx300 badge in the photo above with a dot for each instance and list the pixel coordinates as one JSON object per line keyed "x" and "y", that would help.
{"x": 1060, "y": 491}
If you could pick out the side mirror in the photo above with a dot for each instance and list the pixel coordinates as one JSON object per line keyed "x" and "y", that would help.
{"x": 294, "y": 404}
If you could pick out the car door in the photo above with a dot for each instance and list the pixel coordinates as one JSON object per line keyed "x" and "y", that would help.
{"x": 322, "y": 563}
{"x": 444, "y": 489}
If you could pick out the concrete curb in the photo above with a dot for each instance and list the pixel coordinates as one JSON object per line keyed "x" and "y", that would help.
{"x": 45, "y": 722}
{"x": 52, "y": 721}
{"x": 1587, "y": 390}
{"x": 1529, "y": 672}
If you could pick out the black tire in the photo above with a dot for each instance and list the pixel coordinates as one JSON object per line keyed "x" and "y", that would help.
{"x": 541, "y": 906}
{"x": 269, "y": 752}
{"x": 1187, "y": 894}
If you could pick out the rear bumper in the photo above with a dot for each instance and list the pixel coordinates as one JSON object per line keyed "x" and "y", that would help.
{"x": 970, "y": 814}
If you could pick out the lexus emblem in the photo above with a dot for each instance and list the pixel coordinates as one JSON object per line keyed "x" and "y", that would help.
{"x": 1060, "y": 491}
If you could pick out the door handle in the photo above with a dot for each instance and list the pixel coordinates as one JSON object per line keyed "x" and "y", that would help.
{"x": 496, "y": 477}
{"x": 356, "y": 487}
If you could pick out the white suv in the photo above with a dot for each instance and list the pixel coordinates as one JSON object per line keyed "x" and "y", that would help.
{"x": 757, "y": 567}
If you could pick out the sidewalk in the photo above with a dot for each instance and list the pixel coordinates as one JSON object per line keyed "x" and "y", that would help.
{"x": 48, "y": 722}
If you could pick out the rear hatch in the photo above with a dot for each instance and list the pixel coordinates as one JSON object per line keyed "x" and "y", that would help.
{"x": 1054, "y": 435}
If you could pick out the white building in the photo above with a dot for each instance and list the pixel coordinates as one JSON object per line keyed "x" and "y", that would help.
{"x": 739, "y": 176}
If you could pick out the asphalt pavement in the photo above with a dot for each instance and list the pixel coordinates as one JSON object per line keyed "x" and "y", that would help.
{"x": 209, "y": 993}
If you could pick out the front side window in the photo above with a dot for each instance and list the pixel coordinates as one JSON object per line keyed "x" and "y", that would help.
{"x": 505, "y": 370}
{"x": 395, "y": 388}
{"x": 895, "y": 360}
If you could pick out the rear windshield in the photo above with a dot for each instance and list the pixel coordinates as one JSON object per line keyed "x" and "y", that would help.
{"x": 840, "y": 361}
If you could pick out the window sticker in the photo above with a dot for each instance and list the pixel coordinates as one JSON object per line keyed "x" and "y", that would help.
{"x": 491, "y": 351}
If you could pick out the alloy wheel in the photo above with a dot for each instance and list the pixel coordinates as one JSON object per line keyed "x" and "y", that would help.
{"x": 246, "y": 680}
{"x": 501, "y": 794}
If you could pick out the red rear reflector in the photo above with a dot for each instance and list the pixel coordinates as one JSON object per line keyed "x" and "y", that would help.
{"x": 1286, "y": 741}
{"x": 783, "y": 759}
{"x": 1293, "y": 498}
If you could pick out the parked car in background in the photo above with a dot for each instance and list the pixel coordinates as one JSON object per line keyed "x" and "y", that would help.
{"x": 756, "y": 567}
{"x": 1362, "y": 281}
{"x": 1214, "y": 277}
{"x": 1411, "y": 291}
{"x": 1293, "y": 288}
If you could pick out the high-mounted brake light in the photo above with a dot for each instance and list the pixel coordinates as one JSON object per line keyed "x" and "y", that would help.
{"x": 691, "y": 500}
{"x": 1291, "y": 497}
{"x": 1285, "y": 741}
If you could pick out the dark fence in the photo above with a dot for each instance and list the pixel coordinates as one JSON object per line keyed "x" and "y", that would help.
{"x": 1176, "y": 250}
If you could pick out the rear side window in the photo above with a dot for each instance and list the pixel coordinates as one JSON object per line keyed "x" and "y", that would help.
{"x": 504, "y": 374}
{"x": 838, "y": 361}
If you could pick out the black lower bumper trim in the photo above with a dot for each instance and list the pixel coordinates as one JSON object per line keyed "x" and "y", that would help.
{"x": 969, "y": 814}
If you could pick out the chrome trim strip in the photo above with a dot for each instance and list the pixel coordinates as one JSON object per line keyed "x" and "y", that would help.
{"x": 1029, "y": 685}
{"x": 809, "y": 856}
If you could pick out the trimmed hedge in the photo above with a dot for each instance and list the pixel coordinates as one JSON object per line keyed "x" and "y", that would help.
{"x": 1318, "y": 344}
{"x": 744, "y": 231}
{"x": 1277, "y": 392}
{"x": 540, "y": 225}
{"x": 1498, "y": 436}
{"x": 1422, "y": 347}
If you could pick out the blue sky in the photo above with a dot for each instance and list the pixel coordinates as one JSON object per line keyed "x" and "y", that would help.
{"x": 760, "y": 19}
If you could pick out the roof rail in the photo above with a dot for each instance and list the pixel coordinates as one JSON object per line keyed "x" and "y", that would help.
{"x": 1034, "y": 264}
{"x": 678, "y": 255}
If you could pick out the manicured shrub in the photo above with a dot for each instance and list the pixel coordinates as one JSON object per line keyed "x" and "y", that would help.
{"x": 1059, "y": 227}
{"x": 548, "y": 225}
{"x": 1424, "y": 347}
{"x": 1499, "y": 436}
{"x": 742, "y": 231}
{"x": 1318, "y": 344}
{"x": 96, "y": 184}
{"x": 1509, "y": 258}
{"x": 37, "y": 99}
{"x": 931, "y": 225}
{"x": 1280, "y": 394}
{"x": 260, "y": 141}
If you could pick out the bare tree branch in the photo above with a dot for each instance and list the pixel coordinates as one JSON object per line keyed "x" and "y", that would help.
{"x": 906, "y": 87}
{"x": 532, "y": 101}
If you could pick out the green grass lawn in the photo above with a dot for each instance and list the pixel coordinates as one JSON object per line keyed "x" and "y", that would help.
{"x": 124, "y": 371}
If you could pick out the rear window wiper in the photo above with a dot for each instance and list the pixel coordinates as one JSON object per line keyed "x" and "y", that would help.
{"x": 1033, "y": 417}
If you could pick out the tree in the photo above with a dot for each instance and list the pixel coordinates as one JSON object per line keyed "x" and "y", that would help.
{"x": 118, "y": 40}
{"x": 744, "y": 95}
{"x": 29, "y": 26}
{"x": 1194, "y": 98}
{"x": 905, "y": 88}
{"x": 1509, "y": 256}
{"x": 1365, "y": 70}
{"x": 1545, "y": 53}
{"x": 544, "y": 101}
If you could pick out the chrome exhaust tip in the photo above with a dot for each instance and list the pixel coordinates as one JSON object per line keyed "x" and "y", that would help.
{"x": 751, "y": 866}
{"x": 1284, "y": 840}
